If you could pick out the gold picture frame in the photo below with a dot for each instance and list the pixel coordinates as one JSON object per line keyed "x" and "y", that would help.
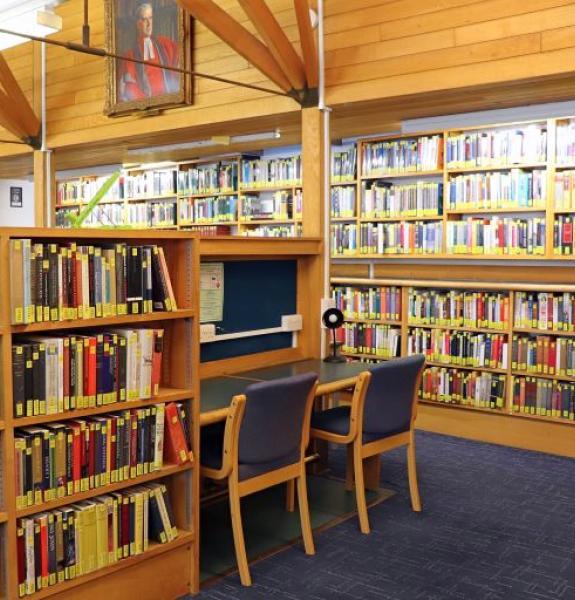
{"x": 159, "y": 32}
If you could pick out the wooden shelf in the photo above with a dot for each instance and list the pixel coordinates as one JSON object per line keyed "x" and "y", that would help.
{"x": 481, "y": 169}
{"x": 463, "y": 406}
{"x": 374, "y": 321}
{"x": 544, "y": 332}
{"x": 158, "y": 198}
{"x": 406, "y": 175}
{"x": 155, "y": 549}
{"x": 564, "y": 211}
{"x": 363, "y": 355}
{"x": 347, "y": 182}
{"x": 266, "y": 221}
{"x": 3, "y": 517}
{"x": 459, "y": 328}
{"x": 166, "y": 395}
{"x": 2, "y": 425}
{"x": 342, "y": 219}
{"x": 464, "y": 368}
{"x": 559, "y": 420}
{"x": 480, "y": 211}
{"x": 564, "y": 166}
{"x": 517, "y": 373}
{"x": 165, "y": 471}
{"x": 199, "y": 224}
{"x": 105, "y": 321}
{"x": 271, "y": 188}
{"x": 198, "y": 196}
{"x": 395, "y": 219}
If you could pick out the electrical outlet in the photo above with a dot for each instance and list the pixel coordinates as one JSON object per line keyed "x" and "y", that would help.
{"x": 291, "y": 322}
{"x": 207, "y": 332}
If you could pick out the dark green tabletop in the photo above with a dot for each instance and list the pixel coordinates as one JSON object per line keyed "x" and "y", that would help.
{"x": 217, "y": 392}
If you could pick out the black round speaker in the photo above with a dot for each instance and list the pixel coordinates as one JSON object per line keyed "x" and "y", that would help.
{"x": 332, "y": 318}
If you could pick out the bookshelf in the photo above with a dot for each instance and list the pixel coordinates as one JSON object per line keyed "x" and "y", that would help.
{"x": 163, "y": 569}
{"x": 233, "y": 194}
{"x": 484, "y": 341}
{"x": 499, "y": 191}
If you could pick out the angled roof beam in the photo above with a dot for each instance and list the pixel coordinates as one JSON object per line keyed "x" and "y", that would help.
{"x": 238, "y": 38}
{"x": 276, "y": 40}
{"x": 307, "y": 41}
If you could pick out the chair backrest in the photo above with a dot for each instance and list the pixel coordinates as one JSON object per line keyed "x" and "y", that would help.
{"x": 274, "y": 417}
{"x": 389, "y": 401}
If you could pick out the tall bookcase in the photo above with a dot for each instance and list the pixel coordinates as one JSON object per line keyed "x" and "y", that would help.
{"x": 164, "y": 570}
{"x": 457, "y": 192}
{"x": 228, "y": 194}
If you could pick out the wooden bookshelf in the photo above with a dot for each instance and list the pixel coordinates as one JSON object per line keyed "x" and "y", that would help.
{"x": 444, "y": 174}
{"x": 164, "y": 570}
{"x": 549, "y": 440}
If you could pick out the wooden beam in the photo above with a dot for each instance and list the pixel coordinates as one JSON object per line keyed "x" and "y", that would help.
{"x": 9, "y": 119}
{"x": 20, "y": 102}
{"x": 307, "y": 41}
{"x": 238, "y": 38}
{"x": 313, "y": 172}
{"x": 44, "y": 178}
{"x": 276, "y": 40}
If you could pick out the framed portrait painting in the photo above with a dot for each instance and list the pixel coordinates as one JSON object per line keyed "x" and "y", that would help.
{"x": 157, "y": 33}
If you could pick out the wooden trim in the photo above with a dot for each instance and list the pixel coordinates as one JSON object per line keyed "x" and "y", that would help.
{"x": 238, "y": 38}
{"x": 276, "y": 40}
{"x": 308, "y": 43}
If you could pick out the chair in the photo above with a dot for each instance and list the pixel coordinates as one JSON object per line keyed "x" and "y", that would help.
{"x": 262, "y": 443}
{"x": 381, "y": 417}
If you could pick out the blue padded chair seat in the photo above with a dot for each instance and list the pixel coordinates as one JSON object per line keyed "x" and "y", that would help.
{"x": 336, "y": 420}
{"x": 212, "y": 448}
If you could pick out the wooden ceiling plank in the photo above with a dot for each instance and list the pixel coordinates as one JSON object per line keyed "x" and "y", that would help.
{"x": 10, "y": 119}
{"x": 276, "y": 40}
{"x": 238, "y": 38}
{"x": 21, "y": 104}
{"x": 307, "y": 41}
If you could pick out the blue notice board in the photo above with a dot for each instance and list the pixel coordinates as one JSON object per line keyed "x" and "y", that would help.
{"x": 256, "y": 295}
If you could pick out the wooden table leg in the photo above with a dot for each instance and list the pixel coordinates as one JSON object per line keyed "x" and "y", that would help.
{"x": 372, "y": 471}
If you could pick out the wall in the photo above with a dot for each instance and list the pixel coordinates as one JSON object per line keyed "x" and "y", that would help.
{"x": 16, "y": 217}
{"x": 375, "y": 49}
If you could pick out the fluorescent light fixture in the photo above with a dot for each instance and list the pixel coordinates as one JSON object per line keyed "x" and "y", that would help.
{"x": 213, "y": 141}
{"x": 32, "y": 17}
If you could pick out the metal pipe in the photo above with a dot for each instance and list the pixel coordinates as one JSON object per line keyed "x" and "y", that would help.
{"x": 105, "y": 54}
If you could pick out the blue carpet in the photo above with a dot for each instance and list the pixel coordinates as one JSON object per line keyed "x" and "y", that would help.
{"x": 497, "y": 524}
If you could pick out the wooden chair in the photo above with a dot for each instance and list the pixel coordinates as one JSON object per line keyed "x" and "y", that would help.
{"x": 262, "y": 443}
{"x": 381, "y": 417}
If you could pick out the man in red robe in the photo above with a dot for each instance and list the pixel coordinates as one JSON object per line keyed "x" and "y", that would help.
{"x": 138, "y": 81}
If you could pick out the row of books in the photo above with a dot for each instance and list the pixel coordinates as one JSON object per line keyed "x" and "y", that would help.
{"x": 564, "y": 196}
{"x": 496, "y": 235}
{"x": 51, "y": 282}
{"x": 101, "y": 215}
{"x": 384, "y": 200}
{"x": 208, "y": 230}
{"x": 271, "y": 172}
{"x": 208, "y": 210}
{"x": 52, "y": 375}
{"x": 456, "y": 308}
{"x": 565, "y": 145}
{"x": 563, "y": 238}
{"x": 461, "y": 348}
{"x": 402, "y": 156}
{"x": 149, "y": 184}
{"x": 412, "y": 237}
{"x": 60, "y": 545}
{"x": 543, "y": 354}
{"x": 544, "y": 397}
{"x": 550, "y": 311}
{"x": 496, "y": 148}
{"x": 62, "y": 459}
{"x": 276, "y": 231}
{"x": 498, "y": 190}
{"x": 368, "y": 303}
{"x": 343, "y": 201}
{"x": 466, "y": 388}
{"x": 343, "y": 239}
{"x": 85, "y": 188}
{"x": 364, "y": 338}
{"x": 151, "y": 214}
{"x": 343, "y": 164}
{"x": 279, "y": 205}
{"x": 208, "y": 179}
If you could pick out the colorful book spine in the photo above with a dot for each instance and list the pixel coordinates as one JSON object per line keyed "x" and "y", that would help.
{"x": 149, "y": 183}
{"x": 544, "y": 397}
{"x": 216, "y": 178}
{"x": 546, "y": 311}
{"x": 412, "y": 237}
{"x": 276, "y": 231}
{"x": 543, "y": 354}
{"x": 214, "y": 209}
{"x": 343, "y": 201}
{"x": 366, "y": 338}
{"x": 565, "y": 145}
{"x": 343, "y": 164}
{"x": 344, "y": 239}
{"x": 395, "y": 157}
{"x": 277, "y": 205}
{"x": 564, "y": 196}
{"x": 383, "y": 200}
{"x": 563, "y": 239}
{"x": 372, "y": 303}
{"x": 271, "y": 172}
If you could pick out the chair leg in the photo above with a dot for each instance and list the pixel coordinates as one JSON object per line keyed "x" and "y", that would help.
{"x": 304, "y": 513}
{"x": 412, "y": 474}
{"x": 238, "y": 531}
{"x": 290, "y": 495}
{"x": 360, "y": 487}
{"x": 349, "y": 468}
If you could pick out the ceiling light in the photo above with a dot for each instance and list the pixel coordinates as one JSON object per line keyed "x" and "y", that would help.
{"x": 213, "y": 141}
{"x": 32, "y": 17}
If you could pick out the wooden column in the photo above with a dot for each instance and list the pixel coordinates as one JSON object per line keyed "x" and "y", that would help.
{"x": 44, "y": 180}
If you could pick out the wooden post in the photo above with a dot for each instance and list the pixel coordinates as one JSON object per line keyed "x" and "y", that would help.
{"x": 44, "y": 180}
